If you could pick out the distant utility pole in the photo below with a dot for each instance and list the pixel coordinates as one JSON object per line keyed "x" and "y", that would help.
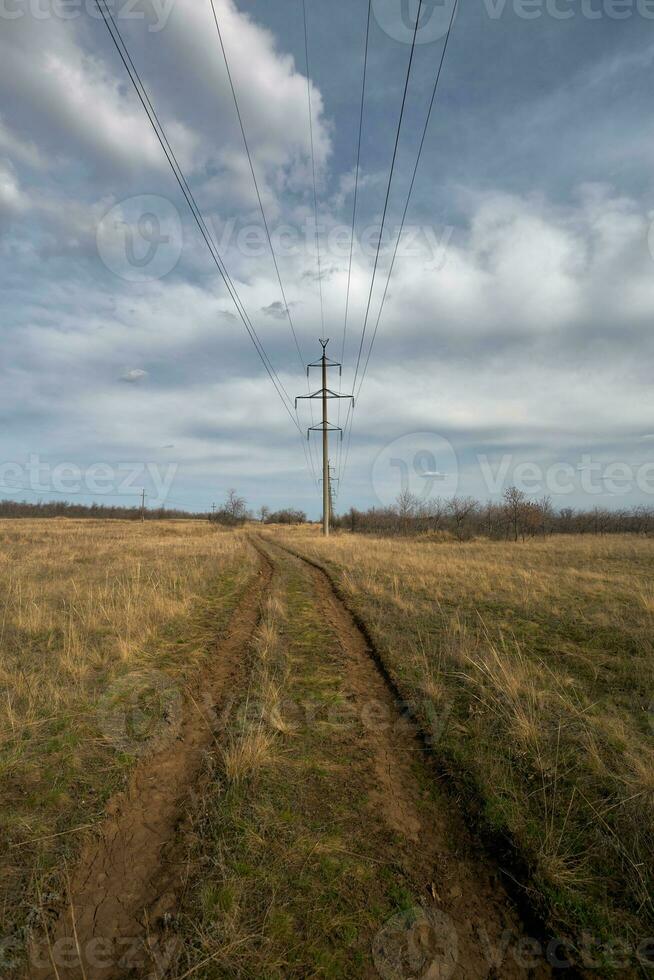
{"x": 142, "y": 505}
{"x": 332, "y": 481}
{"x": 324, "y": 394}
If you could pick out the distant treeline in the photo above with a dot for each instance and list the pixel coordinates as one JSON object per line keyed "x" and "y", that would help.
{"x": 286, "y": 516}
{"x": 515, "y": 518}
{"x": 233, "y": 513}
{"x": 63, "y": 508}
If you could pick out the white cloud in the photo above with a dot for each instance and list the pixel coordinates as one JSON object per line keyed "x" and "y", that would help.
{"x": 134, "y": 375}
{"x": 12, "y": 199}
{"x": 19, "y": 150}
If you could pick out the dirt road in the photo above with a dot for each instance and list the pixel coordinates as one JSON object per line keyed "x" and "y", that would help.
{"x": 426, "y": 902}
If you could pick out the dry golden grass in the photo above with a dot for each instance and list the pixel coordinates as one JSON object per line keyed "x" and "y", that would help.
{"x": 250, "y": 745}
{"x": 534, "y": 665}
{"x": 103, "y": 625}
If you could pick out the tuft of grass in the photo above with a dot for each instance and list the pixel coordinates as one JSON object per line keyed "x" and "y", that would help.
{"x": 245, "y": 755}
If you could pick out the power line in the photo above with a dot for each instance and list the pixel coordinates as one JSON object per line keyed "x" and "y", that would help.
{"x": 409, "y": 195}
{"x": 388, "y": 188}
{"x": 313, "y": 163}
{"x": 356, "y": 178}
{"x": 354, "y": 207}
{"x": 135, "y": 78}
{"x": 308, "y": 455}
{"x": 256, "y": 183}
{"x": 150, "y": 111}
{"x": 399, "y": 236}
{"x": 350, "y": 412}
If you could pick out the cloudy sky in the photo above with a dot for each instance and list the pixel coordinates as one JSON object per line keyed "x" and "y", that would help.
{"x": 516, "y": 341}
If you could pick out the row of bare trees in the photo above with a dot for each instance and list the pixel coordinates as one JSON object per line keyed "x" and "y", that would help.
{"x": 232, "y": 513}
{"x": 513, "y": 518}
{"x": 64, "y": 508}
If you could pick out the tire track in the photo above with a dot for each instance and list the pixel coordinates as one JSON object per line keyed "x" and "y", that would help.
{"x": 129, "y": 875}
{"x": 434, "y": 847}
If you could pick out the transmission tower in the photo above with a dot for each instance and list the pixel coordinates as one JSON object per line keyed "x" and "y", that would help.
{"x": 324, "y": 394}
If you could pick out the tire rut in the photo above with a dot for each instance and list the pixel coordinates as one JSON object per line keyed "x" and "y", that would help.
{"x": 435, "y": 849}
{"x": 128, "y": 875}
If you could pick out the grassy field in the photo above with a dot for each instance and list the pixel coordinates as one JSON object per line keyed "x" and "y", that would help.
{"x": 103, "y": 625}
{"x": 532, "y": 668}
{"x": 529, "y": 666}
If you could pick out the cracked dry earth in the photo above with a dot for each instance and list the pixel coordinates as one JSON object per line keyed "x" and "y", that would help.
{"x": 129, "y": 875}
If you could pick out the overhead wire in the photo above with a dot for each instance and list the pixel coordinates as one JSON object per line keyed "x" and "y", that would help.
{"x": 313, "y": 166}
{"x": 354, "y": 213}
{"x": 157, "y": 127}
{"x": 350, "y": 411}
{"x": 263, "y": 214}
{"x": 256, "y": 182}
{"x": 388, "y": 189}
{"x": 410, "y": 193}
{"x": 402, "y": 224}
{"x": 315, "y": 209}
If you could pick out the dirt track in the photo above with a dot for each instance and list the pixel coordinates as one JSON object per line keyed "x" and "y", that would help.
{"x": 130, "y": 875}
{"x": 460, "y": 885}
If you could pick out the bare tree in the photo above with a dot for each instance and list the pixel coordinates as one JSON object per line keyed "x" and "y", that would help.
{"x": 515, "y": 503}
{"x": 233, "y": 512}
{"x": 406, "y": 505}
{"x": 431, "y": 513}
{"x": 461, "y": 509}
{"x": 235, "y": 506}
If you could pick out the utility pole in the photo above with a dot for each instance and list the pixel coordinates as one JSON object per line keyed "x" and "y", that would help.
{"x": 324, "y": 394}
{"x": 143, "y": 505}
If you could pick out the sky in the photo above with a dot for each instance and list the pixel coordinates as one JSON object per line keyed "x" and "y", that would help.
{"x": 515, "y": 343}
